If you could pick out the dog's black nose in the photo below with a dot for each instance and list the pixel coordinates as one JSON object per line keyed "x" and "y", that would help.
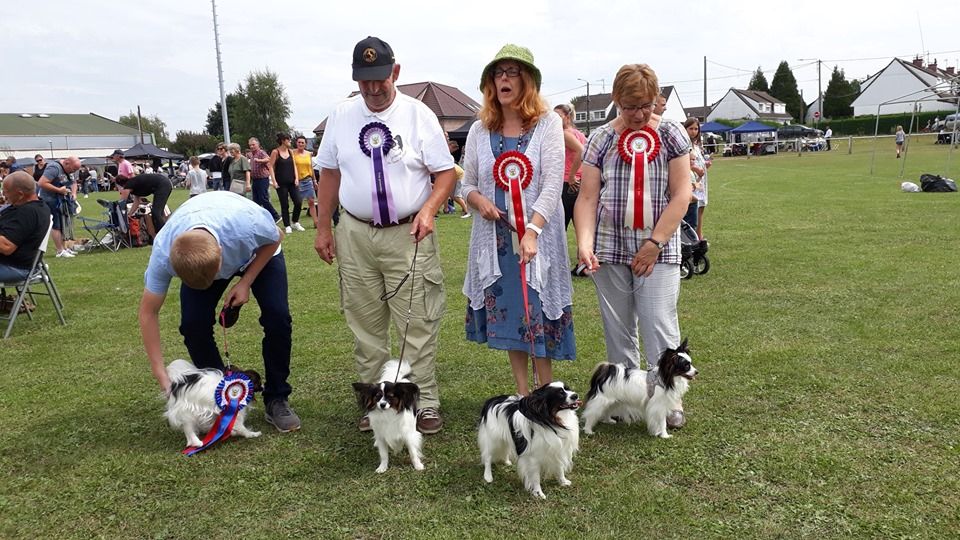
{"x": 574, "y": 397}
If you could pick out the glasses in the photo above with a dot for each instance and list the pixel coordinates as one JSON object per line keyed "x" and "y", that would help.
{"x": 39, "y": 161}
{"x": 512, "y": 71}
{"x": 634, "y": 108}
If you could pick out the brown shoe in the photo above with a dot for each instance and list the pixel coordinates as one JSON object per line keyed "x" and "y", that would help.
{"x": 429, "y": 421}
{"x": 364, "y": 423}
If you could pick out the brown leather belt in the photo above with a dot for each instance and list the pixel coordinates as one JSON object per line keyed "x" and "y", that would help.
{"x": 370, "y": 222}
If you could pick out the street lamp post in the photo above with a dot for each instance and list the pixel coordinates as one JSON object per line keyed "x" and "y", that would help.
{"x": 50, "y": 142}
{"x": 588, "y": 104}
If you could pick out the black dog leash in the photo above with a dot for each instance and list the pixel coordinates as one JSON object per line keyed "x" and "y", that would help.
{"x": 388, "y": 295}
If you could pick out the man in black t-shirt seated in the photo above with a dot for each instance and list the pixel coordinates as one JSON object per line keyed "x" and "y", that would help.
{"x": 146, "y": 185}
{"x": 23, "y": 225}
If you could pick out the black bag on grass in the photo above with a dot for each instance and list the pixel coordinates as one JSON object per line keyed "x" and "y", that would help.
{"x": 934, "y": 183}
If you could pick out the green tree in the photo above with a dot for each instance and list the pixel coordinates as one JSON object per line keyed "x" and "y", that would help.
{"x": 190, "y": 143}
{"x": 259, "y": 107}
{"x": 149, "y": 124}
{"x": 839, "y": 96}
{"x": 215, "y": 115}
{"x": 784, "y": 87}
{"x": 758, "y": 82}
{"x": 263, "y": 107}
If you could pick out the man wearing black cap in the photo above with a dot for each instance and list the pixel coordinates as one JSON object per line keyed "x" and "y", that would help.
{"x": 377, "y": 155}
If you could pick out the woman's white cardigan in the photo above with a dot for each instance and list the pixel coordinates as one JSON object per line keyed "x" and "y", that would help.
{"x": 548, "y": 273}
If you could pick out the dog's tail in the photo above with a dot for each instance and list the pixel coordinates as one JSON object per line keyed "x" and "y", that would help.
{"x": 601, "y": 375}
{"x": 394, "y": 370}
{"x": 178, "y": 368}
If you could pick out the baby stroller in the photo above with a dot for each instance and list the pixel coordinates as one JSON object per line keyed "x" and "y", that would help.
{"x": 111, "y": 232}
{"x": 693, "y": 252}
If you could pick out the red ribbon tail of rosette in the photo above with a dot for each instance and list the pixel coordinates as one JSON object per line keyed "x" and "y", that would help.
{"x": 232, "y": 394}
{"x": 221, "y": 430}
{"x": 517, "y": 213}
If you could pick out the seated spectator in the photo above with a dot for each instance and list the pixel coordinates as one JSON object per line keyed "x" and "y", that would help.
{"x": 23, "y": 225}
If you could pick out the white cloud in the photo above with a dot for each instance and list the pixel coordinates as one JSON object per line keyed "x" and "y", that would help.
{"x": 108, "y": 57}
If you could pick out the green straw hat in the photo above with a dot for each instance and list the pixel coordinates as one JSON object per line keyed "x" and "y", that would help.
{"x": 517, "y": 54}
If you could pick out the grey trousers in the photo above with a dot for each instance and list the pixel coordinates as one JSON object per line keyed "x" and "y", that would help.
{"x": 628, "y": 302}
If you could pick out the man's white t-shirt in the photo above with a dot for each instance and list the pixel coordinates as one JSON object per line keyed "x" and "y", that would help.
{"x": 419, "y": 149}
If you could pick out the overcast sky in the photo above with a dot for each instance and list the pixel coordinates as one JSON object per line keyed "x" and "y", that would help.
{"x": 107, "y": 57}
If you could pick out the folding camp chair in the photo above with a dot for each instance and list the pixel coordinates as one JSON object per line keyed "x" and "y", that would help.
{"x": 111, "y": 232}
{"x": 39, "y": 273}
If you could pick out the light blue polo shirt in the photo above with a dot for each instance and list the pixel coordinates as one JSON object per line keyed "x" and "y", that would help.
{"x": 239, "y": 225}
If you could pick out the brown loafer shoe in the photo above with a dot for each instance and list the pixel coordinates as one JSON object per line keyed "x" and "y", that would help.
{"x": 429, "y": 421}
{"x": 364, "y": 423}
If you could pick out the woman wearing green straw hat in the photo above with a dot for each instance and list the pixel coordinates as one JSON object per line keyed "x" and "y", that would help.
{"x": 517, "y": 282}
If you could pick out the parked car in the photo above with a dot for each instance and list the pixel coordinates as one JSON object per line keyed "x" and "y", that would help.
{"x": 797, "y": 131}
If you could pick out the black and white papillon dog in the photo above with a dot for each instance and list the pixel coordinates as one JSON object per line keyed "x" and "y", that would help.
{"x": 392, "y": 408}
{"x": 632, "y": 393}
{"x": 540, "y": 432}
{"x": 191, "y": 405}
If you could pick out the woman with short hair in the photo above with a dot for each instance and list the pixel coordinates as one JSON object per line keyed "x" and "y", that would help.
{"x": 634, "y": 191}
{"x": 238, "y": 171}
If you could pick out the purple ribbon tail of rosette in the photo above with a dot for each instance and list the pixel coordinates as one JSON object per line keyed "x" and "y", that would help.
{"x": 385, "y": 212}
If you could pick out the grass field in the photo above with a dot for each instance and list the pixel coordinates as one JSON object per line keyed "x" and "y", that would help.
{"x": 827, "y": 335}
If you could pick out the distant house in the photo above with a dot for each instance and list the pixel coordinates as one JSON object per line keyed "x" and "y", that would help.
{"x": 907, "y": 81}
{"x": 451, "y": 106}
{"x": 602, "y": 109}
{"x": 700, "y": 113}
{"x": 749, "y": 105}
{"x": 56, "y": 135}
{"x": 809, "y": 110}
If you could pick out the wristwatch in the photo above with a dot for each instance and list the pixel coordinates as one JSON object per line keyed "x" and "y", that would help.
{"x": 660, "y": 245}
{"x": 535, "y": 229}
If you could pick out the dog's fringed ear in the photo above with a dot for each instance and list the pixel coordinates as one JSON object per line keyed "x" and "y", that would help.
{"x": 255, "y": 378}
{"x": 539, "y": 407}
{"x": 365, "y": 394}
{"x": 683, "y": 347}
{"x": 408, "y": 394}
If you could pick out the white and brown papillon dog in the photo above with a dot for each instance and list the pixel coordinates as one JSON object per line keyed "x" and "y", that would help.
{"x": 392, "y": 408}
{"x": 633, "y": 393}
{"x": 540, "y": 432}
{"x": 191, "y": 405}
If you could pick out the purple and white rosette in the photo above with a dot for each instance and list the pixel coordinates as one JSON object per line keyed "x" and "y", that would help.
{"x": 376, "y": 142}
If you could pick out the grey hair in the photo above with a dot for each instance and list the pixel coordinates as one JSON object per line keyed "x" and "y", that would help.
{"x": 567, "y": 109}
{"x": 233, "y": 146}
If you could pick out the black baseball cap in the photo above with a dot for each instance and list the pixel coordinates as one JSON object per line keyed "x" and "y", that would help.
{"x": 116, "y": 152}
{"x": 372, "y": 60}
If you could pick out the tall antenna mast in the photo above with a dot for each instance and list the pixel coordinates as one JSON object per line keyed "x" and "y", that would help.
{"x": 223, "y": 96}
{"x": 923, "y": 46}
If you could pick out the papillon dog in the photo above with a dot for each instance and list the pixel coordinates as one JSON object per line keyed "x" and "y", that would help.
{"x": 191, "y": 405}
{"x": 539, "y": 431}
{"x": 633, "y": 393}
{"x": 392, "y": 408}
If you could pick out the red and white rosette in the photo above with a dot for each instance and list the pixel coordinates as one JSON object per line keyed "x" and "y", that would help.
{"x": 639, "y": 147}
{"x": 512, "y": 172}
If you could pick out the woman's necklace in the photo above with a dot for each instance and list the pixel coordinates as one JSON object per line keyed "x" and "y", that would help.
{"x": 519, "y": 141}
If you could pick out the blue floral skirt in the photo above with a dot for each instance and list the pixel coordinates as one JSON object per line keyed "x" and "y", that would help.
{"x": 501, "y": 322}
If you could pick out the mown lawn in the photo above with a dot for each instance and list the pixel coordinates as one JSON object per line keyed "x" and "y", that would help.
{"x": 827, "y": 334}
